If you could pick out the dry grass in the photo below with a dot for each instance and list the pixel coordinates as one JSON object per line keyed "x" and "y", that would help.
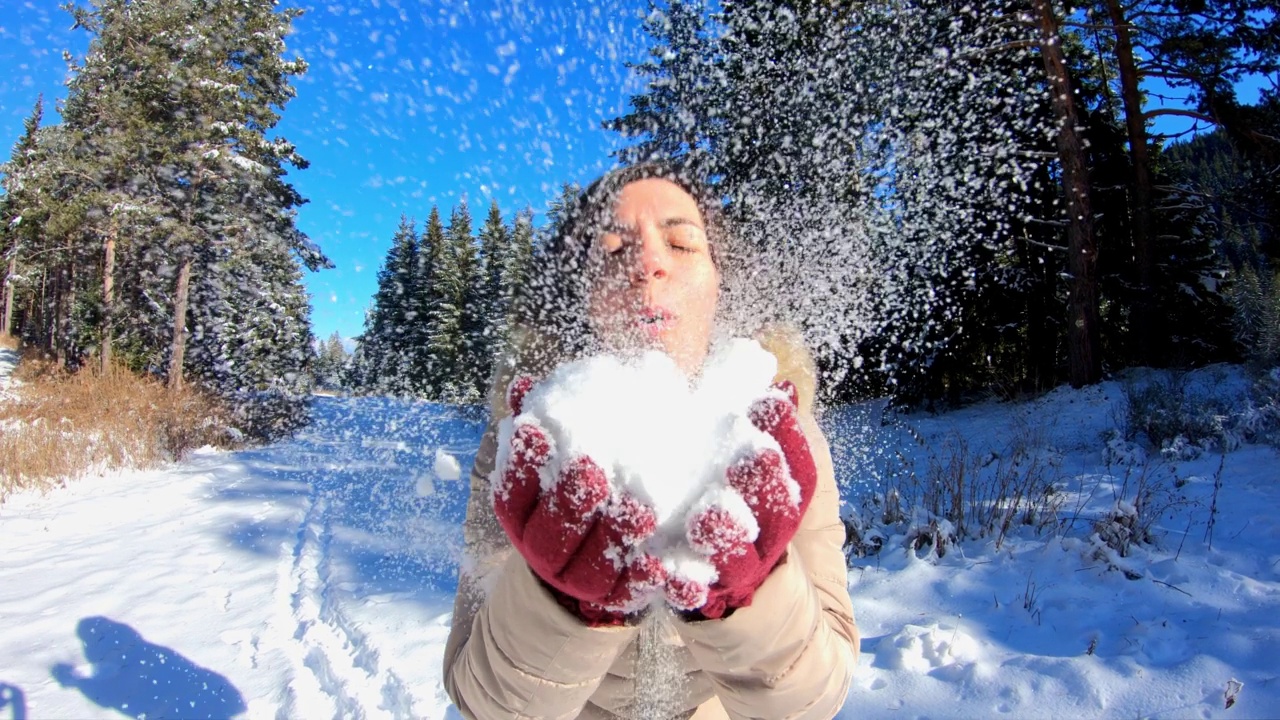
{"x": 60, "y": 426}
{"x": 8, "y": 342}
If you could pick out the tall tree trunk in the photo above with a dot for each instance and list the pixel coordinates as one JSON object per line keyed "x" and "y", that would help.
{"x": 108, "y": 293}
{"x": 179, "y": 346}
{"x": 60, "y": 315}
{"x": 7, "y": 327}
{"x": 1143, "y": 328}
{"x": 71, "y": 352}
{"x": 1085, "y": 366}
{"x": 41, "y": 322}
{"x": 1040, "y": 349}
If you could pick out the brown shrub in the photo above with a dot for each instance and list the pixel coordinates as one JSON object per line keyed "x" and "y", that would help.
{"x": 61, "y": 425}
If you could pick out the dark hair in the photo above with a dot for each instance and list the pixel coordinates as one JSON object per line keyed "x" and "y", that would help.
{"x": 553, "y": 303}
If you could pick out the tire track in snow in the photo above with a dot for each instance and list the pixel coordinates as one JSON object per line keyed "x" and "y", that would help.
{"x": 334, "y": 671}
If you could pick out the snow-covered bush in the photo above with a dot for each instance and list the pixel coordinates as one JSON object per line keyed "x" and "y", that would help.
{"x": 960, "y": 494}
{"x": 861, "y": 538}
{"x": 1183, "y": 422}
{"x": 1123, "y": 526}
{"x": 267, "y": 415}
{"x": 1117, "y": 450}
{"x": 986, "y": 495}
{"x": 1145, "y": 493}
{"x": 1180, "y": 448}
{"x": 1168, "y": 412}
{"x": 937, "y": 535}
{"x": 1260, "y": 419}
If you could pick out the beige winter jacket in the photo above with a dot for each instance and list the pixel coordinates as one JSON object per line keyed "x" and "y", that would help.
{"x": 514, "y": 652}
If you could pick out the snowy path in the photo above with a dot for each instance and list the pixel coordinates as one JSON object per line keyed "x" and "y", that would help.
{"x": 303, "y": 580}
{"x": 310, "y": 579}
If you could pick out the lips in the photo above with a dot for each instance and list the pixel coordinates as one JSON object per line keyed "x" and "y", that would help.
{"x": 654, "y": 320}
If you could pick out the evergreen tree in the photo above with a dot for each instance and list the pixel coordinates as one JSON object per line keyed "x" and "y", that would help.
{"x": 872, "y": 146}
{"x": 359, "y": 377}
{"x": 171, "y": 230}
{"x": 515, "y": 271}
{"x": 490, "y": 296}
{"x": 1202, "y": 48}
{"x": 22, "y": 213}
{"x": 330, "y": 364}
{"x": 674, "y": 117}
{"x": 430, "y": 370}
{"x": 442, "y": 309}
{"x": 44, "y": 241}
{"x": 386, "y": 359}
{"x": 558, "y": 207}
{"x": 448, "y": 345}
{"x": 1237, "y": 193}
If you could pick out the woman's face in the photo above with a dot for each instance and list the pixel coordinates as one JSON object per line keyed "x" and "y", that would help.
{"x": 658, "y": 286}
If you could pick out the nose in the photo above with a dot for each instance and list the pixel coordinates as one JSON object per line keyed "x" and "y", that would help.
{"x": 653, "y": 258}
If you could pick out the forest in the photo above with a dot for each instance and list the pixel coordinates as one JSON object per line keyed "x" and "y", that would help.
{"x": 991, "y": 169}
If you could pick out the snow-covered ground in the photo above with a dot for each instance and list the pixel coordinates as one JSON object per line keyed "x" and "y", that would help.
{"x": 314, "y": 578}
{"x": 8, "y": 360}
{"x": 1042, "y": 628}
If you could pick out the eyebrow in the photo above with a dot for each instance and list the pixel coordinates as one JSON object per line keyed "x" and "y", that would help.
{"x": 677, "y": 220}
{"x": 665, "y": 223}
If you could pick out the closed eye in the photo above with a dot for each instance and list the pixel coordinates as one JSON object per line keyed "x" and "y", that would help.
{"x": 686, "y": 238}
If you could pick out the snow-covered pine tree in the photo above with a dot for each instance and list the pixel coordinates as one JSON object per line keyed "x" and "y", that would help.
{"x": 49, "y": 268}
{"x": 429, "y": 373}
{"x": 22, "y": 212}
{"x": 515, "y": 271}
{"x": 337, "y": 357}
{"x": 330, "y": 364}
{"x": 489, "y": 333}
{"x": 386, "y": 346}
{"x": 672, "y": 119}
{"x": 865, "y": 150}
{"x": 514, "y": 277}
{"x": 169, "y": 115}
{"x": 358, "y": 377}
{"x": 120, "y": 124}
{"x": 448, "y": 346}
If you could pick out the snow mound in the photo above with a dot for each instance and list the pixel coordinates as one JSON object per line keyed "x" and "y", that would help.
{"x": 923, "y": 649}
{"x": 654, "y": 434}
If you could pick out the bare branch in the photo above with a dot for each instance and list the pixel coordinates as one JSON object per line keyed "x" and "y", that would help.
{"x": 1047, "y": 246}
{"x": 1180, "y": 113}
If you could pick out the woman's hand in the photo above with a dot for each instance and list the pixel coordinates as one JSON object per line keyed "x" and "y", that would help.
{"x": 777, "y": 488}
{"x": 576, "y": 535}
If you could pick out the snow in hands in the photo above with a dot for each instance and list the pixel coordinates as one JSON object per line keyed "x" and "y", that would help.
{"x": 658, "y": 440}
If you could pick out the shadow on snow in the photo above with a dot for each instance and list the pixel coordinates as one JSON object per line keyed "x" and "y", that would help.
{"x": 141, "y": 679}
{"x": 13, "y": 702}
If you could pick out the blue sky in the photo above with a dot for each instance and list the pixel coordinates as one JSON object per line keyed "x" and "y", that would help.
{"x": 409, "y": 103}
{"x": 406, "y": 104}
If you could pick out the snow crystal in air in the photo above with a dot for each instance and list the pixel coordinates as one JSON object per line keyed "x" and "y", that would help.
{"x": 446, "y": 466}
{"x": 423, "y": 486}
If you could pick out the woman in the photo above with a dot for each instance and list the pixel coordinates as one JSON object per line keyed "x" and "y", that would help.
{"x": 640, "y": 262}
